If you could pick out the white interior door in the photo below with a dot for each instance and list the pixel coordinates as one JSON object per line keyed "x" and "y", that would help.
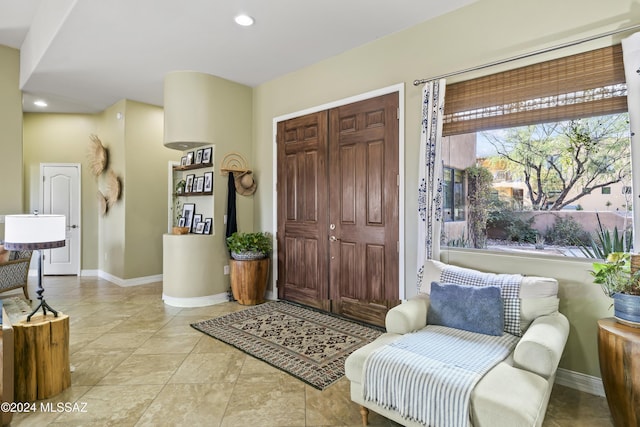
{"x": 60, "y": 195}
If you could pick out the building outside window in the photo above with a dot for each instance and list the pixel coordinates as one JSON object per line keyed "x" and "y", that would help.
{"x": 454, "y": 196}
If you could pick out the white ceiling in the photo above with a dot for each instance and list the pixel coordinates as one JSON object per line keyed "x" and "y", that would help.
{"x": 85, "y": 55}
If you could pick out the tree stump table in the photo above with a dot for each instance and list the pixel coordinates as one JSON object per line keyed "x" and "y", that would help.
{"x": 41, "y": 363}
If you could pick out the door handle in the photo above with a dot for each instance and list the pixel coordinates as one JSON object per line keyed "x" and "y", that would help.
{"x": 333, "y": 239}
{"x": 72, "y": 226}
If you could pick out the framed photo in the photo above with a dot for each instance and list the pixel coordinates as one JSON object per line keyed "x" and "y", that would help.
{"x": 199, "y": 156}
{"x": 197, "y": 219}
{"x": 181, "y": 222}
{"x": 188, "y": 186}
{"x": 183, "y": 161}
{"x": 207, "y": 225}
{"x": 199, "y": 184}
{"x": 200, "y": 227}
{"x": 188, "y": 210}
{"x": 208, "y": 182}
{"x": 189, "y": 158}
{"x": 206, "y": 155}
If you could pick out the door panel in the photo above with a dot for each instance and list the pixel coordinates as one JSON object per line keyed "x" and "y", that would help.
{"x": 302, "y": 219}
{"x": 363, "y": 178}
{"x": 61, "y": 196}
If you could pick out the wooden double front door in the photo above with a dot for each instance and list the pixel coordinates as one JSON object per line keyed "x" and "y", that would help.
{"x": 338, "y": 195}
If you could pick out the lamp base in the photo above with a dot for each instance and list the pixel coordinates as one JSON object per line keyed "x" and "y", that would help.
{"x": 44, "y": 306}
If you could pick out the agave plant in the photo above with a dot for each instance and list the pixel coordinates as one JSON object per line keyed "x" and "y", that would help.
{"x": 606, "y": 242}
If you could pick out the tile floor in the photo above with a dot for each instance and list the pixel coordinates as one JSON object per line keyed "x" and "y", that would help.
{"x": 139, "y": 363}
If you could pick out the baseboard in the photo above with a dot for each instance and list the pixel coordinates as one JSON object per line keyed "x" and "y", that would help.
{"x": 89, "y": 273}
{"x": 196, "y": 301}
{"x": 576, "y": 380}
{"x": 129, "y": 282}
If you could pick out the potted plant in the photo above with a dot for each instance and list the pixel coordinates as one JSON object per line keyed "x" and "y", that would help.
{"x": 180, "y": 186}
{"x": 177, "y": 228}
{"x": 245, "y": 246}
{"x": 249, "y": 268}
{"x": 619, "y": 278}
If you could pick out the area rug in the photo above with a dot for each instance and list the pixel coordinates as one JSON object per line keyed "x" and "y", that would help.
{"x": 308, "y": 344}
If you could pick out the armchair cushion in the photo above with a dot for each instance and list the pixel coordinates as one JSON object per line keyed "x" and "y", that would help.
{"x": 541, "y": 347}
{"x": 471, "y": 308}
{"x": 408, "y": 317}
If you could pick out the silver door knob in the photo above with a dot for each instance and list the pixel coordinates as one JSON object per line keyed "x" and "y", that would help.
{"x": 333, "y": 239}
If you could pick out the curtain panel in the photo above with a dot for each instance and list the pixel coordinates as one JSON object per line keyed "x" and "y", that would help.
{"x": 430, "y": 175}
{"x": 631, "y": 58}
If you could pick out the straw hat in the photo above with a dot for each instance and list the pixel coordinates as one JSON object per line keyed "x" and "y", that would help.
{"x": 245, "y": 185}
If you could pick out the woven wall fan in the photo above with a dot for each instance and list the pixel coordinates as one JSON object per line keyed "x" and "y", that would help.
{"x": 102, "y": 203}
{"x": 113, "y": 188}
{"x": 97, "y": 155}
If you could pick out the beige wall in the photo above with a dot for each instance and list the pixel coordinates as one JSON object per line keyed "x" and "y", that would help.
{"x": 63, "y": 138}
{"x": 11, "y": 168}
{"x": 486, "y": 31}
{"x": 111, "y": 242}
{"x": 127, "y": 242}
{"x": 232, "y": 118}
{"x": 145, "y": 189}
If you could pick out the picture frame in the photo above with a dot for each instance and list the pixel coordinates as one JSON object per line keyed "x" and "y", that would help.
{"x": 189, "y": 158}
{"x": 199, "y": 156}
{"x": 208, "y": 182}
{"x": 206, "y": 155}
{"x": 181, "y": 222}
{"x": 183, "y": 161}
{"x": 199, "y": 184}
{"x": 197, "y": 218}
{"x": 188, "y": 186}
{"x": 200, "y": 227}
{"x": 188, "y": 210}
{"x": 207, "y": 225}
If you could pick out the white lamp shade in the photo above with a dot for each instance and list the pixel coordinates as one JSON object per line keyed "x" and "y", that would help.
{"x": 34, "y": 231}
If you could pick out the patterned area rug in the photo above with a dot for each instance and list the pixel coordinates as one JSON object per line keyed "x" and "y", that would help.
{"x": 308, "y": 344}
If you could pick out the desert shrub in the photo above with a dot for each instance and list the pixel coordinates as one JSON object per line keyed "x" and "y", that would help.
{"x": 505, "y": 223}
{"x": 566, "y": 232}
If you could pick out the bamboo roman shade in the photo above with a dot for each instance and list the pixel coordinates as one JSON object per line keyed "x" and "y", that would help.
{"x": 582, "y": 85}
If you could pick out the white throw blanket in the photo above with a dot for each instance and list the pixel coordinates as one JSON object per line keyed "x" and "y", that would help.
{"x": 427, "y": 376}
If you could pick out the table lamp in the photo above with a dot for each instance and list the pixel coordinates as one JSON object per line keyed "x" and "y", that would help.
{"x": 35, "y": 232}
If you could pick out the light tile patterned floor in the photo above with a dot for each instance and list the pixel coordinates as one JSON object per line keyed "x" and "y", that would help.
{"x": 138, "y": 362}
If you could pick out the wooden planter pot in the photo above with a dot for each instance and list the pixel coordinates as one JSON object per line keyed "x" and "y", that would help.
{"x": 249, "y": 280}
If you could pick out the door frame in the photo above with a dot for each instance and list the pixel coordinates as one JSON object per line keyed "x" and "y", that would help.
{"x": 78, "y": 195}
{"x": 400, "y": 88}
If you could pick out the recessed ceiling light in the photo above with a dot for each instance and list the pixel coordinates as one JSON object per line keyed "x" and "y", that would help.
{"x": 244, "y": 20}
{"x": 40, "y": 103}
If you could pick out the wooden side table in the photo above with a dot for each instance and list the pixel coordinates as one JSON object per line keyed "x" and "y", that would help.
{"x": 6, "y": 366}
{"x": 41, "y": 349}
{"x": 619, "y": 354}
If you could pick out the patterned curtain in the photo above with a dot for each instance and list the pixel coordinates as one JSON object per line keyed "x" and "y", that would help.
{"x": 430, "y": 177}
{"x": 631, "y": 57}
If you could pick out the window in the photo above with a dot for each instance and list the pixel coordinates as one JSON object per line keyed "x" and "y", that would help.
{"x": 453, "y": 194}
{"x": 555, "y": 138}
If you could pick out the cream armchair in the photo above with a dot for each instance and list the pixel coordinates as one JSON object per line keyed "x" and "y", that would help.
{"x": 14, "y": 272}
{"x": 516, "y": 391}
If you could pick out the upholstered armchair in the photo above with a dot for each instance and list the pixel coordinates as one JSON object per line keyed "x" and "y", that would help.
{"x": 14, "y": 272}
